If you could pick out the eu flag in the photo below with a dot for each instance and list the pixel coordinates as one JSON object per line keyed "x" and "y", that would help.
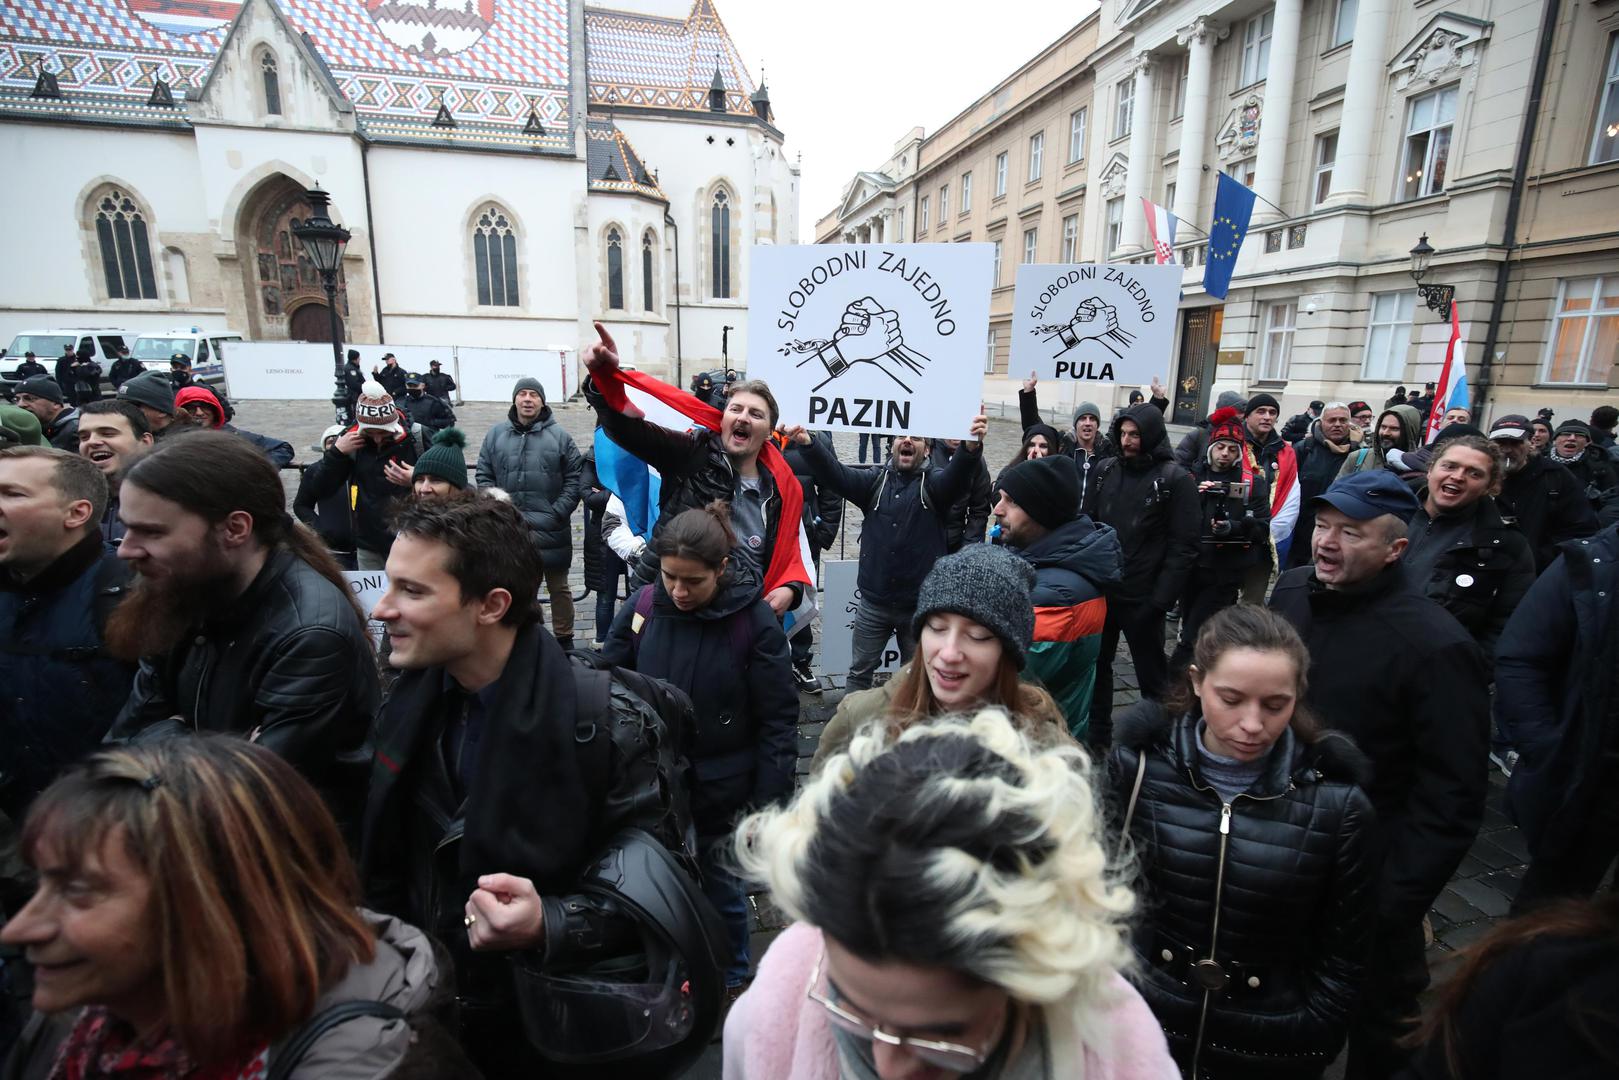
{"x": 1233, "y": 206}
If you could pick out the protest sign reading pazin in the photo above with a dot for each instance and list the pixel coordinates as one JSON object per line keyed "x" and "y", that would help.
{"x": 1100, "y": 323}
{"x": 872, "y": 337}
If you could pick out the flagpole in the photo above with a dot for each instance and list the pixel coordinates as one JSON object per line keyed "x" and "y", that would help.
{"x": 1270, "y": 204}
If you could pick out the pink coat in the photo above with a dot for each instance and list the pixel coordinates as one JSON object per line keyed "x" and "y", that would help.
{"x": 775, "y": 1032}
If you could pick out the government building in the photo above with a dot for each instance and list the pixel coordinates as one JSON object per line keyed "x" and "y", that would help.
{"x": 509, "y": 171}
{"x": 1361, "y": 126}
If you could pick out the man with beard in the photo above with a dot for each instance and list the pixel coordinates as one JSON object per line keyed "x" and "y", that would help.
{"x": 1400, "y": 675}
{"x": 427, "y": 411}
{"x": 242, "y": 622}
{"x": 58, "y": 421}
{"x": 1592, "y": 468}
{"x": 699, "y": 466}
{"x": 1539, "y": 496}
{"x": 1398, "y": 431}
{"x": 535, "y": 461}
{"x": 1151, "y": 502}
{"x": 111, "y": 434}
{"x": 1360, "y": 415}
{"x": 906, "y": 530}
{"x": 1461, "y": 554}
{"x": 58, "y": 584}
{"x": 375, "y": 454}
{"x": 1270, "y": 455}
{"x": 1074, "y": 559}
{"x": 1321, "y": 455}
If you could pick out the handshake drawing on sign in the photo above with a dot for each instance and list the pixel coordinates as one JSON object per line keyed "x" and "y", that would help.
{"x": 868, "y": 334}
{"x": 1093, "y": 321}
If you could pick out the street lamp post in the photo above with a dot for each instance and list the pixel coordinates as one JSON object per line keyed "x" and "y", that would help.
{"x": 1437, "y": 297}
{"x": 323, "y": 242}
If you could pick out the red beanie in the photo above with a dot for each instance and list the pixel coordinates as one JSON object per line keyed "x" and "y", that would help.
{"x": 1226, "y": 424}
{"x": 190, "y": 395}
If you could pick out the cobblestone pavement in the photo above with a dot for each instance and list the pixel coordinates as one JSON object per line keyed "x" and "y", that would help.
{"x": 1470, "y": 905}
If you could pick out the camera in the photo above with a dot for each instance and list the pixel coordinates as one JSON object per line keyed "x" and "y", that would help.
{"x": 1225, "y": 507}
{"x": 1236, "y": 489}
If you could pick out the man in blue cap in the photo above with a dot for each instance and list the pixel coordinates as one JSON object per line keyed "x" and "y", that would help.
{"x": 1399, "y": 674}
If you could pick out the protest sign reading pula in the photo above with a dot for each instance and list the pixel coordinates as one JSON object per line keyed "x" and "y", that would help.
{"x": 1100, "y": 323}
{"x": 872, "y": 337}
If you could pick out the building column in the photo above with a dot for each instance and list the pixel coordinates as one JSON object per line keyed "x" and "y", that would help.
{"x": 1362, "y": 92}
{"x": 1199, "y": 39}
{"x": 1277, "y": 120}
{"x": 1141, "y": 142}
{"x": 876, "y": 230}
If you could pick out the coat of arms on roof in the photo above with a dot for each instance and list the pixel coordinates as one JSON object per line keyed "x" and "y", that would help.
{"x": 431, "y": 28}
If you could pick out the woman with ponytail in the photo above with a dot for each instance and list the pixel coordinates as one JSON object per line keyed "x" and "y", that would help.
{"x": 703, "y": 626}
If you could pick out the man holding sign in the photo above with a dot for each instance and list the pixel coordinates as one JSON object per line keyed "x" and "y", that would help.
{"x": 728, "y": 458}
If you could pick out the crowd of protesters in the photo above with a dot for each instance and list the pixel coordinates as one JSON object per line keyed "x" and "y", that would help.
{"x": 241, "y": 836}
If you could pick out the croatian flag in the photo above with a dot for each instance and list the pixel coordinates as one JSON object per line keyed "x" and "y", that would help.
{"x": 1161, "y": 224}
{"x": 1451, "y": 393}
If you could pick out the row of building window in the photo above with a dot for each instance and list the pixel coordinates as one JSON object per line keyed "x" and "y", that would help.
{"x": 1035, "y": 170}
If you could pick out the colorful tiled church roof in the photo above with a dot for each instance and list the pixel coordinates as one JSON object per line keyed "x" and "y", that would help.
{"x": 662, "y": 63}
{"x": 491, "y": 63}
{"x": 612, "y": 162}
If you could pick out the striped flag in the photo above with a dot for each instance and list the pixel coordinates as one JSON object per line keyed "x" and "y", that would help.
{"x": 1161, "y": 224}
{"x": 1451, "y": 393}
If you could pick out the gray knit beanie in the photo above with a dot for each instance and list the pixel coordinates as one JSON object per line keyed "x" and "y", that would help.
{"x": 1231, "y": 399}
{"x": 528, "y": 382}
{"x": 990, "y": 586}
{"x": 152, "y": 389}
{"x": 1087, "y": 408}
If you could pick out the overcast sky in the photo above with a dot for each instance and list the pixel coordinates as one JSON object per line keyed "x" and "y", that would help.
{"x": 848, "y": 78}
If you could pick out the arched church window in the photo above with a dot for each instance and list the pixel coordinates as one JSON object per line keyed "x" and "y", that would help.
{"x": 648, "y": 242}
{"x": 494, "y": 258}
{"x": 720, "y": 225}
{"x": 126, "y": 248}
{"x": 615, "y": 269}
{"x": 272, "y": 83}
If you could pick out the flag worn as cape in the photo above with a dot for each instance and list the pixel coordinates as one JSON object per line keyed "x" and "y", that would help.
{"x": 786, "y": 560}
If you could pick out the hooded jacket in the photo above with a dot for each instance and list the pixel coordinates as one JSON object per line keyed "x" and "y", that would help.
{"x": 374, "y": 493}
{"x": 539, "y": 466}
{"x": 1557, "y": 692}
{"x": 1472, "y": 564}
{"x": 288, "y": 663}
{"x": 746, "y": 746}
{"x": 1372, "y": 455}
{"x": 1548, "y": 505}
{"x": 1151, "y": 503}
{"x": 1285, "y": 871}
{"x": 1398, "y": 674}
{"x": 1072, "y": 567}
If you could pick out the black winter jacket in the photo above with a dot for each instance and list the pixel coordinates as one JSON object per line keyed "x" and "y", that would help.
{"x": 906, "y": 515}
{"x": 87, "y": 380}
{"x": 1400, "y": 675}
{"x": 123, "y": 369}
{"x": 539, "y": 466}
{"x": 603, "y": 567}
{"x": 63, "y": 432}
{"x": 62, "y": 690}
{"x": 1285, "y": 872}
{"x": 1481, "y": 572}
{"x": 392, "y": 378}
{"x": 1244, "y": 537}
{"x": 1548, "y": 505}
{"x": 1319, "y": 465}
{"x": 439, "y": 384}
{"x": 823, "y": 507}
{"x": 377, "y": 495}
{"x": 287, "y": 663}
{"x": 331, "y": 517}
{"x": 1598, "y": 476}
{"x": 353, "y": 381}
{"x": 430, "y": 413}
{"x": 969, "y": 514}
{"x": 1557, "y": 692}
{"x": 279, "y": 451}
{"x": 1152, "y": 504}
{"x": 746, "y": 746}
{"x": 695, "y": 471}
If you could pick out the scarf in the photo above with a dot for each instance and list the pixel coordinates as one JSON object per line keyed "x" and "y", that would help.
{"x": 786, "y": 562}
{"x": 1551, "y": 452}
{"x": 101, "y": 1045}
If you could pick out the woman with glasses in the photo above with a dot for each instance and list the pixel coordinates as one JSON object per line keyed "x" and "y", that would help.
{"x": 955, "y": 914}
{"x": 1254, "y": 845}
{"x": 196, "y": 919}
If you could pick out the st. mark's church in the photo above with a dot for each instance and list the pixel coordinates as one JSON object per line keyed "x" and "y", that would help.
{"x": 510, "y": 170}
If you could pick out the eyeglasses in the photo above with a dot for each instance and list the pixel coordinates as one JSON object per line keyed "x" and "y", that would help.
{"x": 952, "y": 1056}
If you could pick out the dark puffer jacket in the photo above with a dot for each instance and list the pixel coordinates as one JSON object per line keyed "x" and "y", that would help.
{"x": 539, "y": 466}
{"x": 696, "y": 470}
{"x": 731, "y": 659}
{"x": 1152, "y": 504}
{"x": 1284, "y": 872}
{"x": 376, "y": 494}
{"x": 1471, "y": 564}
{"x": 289, "y": 663}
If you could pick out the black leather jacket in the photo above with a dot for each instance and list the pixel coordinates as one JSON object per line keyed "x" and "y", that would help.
{"x": 1277, "y": 887}
{"x": 288, "y": 664}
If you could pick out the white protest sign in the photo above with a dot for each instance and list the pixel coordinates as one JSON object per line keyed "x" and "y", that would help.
{"x": 490, "y": 374}
{"x": 1095, "y": 323}
{"x": 872, "y": 337}
{"x": 840, "y": 596}
{"x": 368, "y": 587}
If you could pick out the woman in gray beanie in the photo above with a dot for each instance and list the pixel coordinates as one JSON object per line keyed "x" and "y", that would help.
{"x": 973, "y": 624}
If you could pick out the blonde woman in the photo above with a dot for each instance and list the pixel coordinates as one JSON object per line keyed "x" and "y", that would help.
{"x": 196, "y": 915}
{"x": 954, "y": 914}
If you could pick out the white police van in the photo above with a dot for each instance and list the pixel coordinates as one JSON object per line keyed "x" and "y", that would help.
{"x": 155, "y": 350}
{"x": 46, "y": 345}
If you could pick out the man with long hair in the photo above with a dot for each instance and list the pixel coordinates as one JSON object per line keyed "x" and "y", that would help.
{"x": 240, "y": 618}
